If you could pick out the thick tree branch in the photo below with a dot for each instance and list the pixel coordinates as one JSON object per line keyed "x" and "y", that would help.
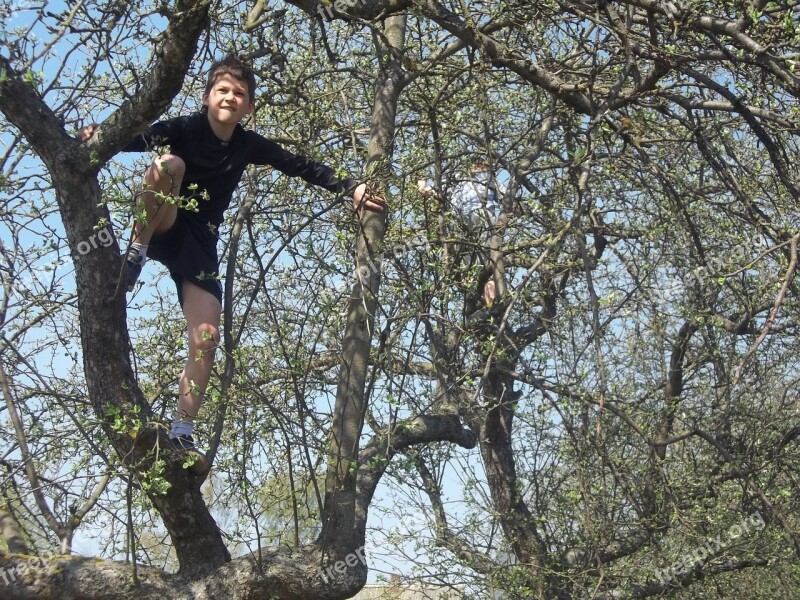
{"x": 11, "y": 531}
{"x": 102, "y": 313}
{"x": 21, "y": 104}
{"x": 161, "y": 84}
{"x": 361, "y": 9}
{"x": 282, "y": 573}
{"x": 779, "y": 158}
{"x": 384, "y": 445}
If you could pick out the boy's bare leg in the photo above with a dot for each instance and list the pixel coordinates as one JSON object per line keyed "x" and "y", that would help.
{"x": 202, "y": 311}
{"x": 163, "y": 178}
{"x": 489, "y": 293}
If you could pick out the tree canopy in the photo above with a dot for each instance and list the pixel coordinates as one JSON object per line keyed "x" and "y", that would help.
{"x": 622, "y": 422}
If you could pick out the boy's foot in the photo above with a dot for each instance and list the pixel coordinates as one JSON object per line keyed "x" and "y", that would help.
{"x": 185, "y": 444}
{"x": 488, "y": 314}
{"x": 134, "y": 262}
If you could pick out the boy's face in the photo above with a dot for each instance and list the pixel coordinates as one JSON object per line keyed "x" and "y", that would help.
{"x": 228, "y": 101}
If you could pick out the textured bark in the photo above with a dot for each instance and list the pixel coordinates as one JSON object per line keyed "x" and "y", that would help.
{"x": 362, "y": 9}
{"x": 11, "y": 532}
{"x": 206, "y": 569}
{"x": 282, "y": 574}
{"x": 635, "y": 39}
{"x": 385, "y": 445}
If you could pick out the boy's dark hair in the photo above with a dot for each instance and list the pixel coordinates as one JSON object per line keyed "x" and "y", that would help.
{"x": 231, "y": 65}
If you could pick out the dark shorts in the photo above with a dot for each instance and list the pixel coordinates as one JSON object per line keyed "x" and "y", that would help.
{"x": 189, "y": 250}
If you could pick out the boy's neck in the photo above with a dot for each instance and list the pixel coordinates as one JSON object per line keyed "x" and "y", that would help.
{"x": 224, "y": 131}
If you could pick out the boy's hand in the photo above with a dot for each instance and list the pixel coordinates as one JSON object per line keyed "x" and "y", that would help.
{"x": 362, "y": 198}
{"x": 87, "y": 132}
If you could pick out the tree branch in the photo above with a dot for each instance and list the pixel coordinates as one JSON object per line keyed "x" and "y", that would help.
{"x": 383, "y": 446}
{"x": 161, "y": 84}
{"x": 502, "y": 56}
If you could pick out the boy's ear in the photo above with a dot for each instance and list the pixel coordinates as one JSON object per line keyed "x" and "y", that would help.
{"x": 205, "y": 99}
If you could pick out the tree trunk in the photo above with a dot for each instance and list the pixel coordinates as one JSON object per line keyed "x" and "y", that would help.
{"x": 340, "y": 486}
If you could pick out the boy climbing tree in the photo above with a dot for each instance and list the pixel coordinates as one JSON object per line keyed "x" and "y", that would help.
{"x": 477, "y": 201}
{"x": 209, "y": 152}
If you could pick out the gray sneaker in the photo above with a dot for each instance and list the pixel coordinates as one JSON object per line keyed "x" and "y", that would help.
{"x": 134, "y": 261}
{"x": 185, "y": 444}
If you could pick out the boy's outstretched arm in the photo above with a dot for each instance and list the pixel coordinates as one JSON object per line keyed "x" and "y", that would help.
{"x": 268, "y": 152}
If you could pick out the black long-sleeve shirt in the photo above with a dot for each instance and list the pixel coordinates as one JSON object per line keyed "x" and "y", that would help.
{"x": 217, "y": 166}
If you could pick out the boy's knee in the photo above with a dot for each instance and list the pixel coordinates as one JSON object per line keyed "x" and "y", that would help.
{"x": 169, "y": 164}
{"x": 206, "y": 337}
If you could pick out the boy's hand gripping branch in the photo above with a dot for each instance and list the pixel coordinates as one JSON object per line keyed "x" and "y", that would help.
{"x": 87, "y": 132}
{"x": 362, "y": 198}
